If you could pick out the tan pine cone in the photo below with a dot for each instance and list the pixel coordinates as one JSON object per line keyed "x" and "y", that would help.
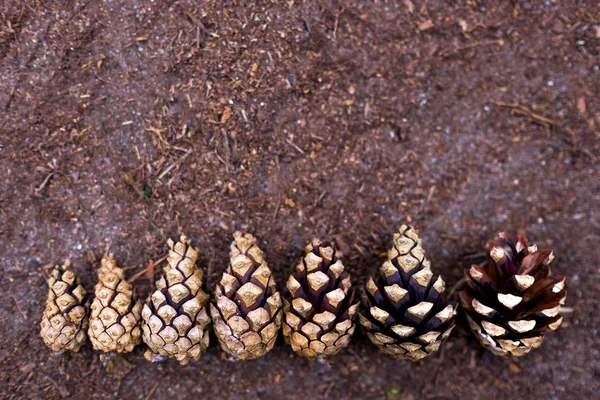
{"x": 175, "y": 320}
{"x": 511, "y": 301}
{"x": 406, "y": 314}
{"x": 247, "y": 310}
{"x": 318, "y": 318}
{"x": 115, "y": 317}
{"x": 65, "y": 318}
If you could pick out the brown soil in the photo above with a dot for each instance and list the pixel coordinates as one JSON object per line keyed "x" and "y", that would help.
{"x": 301, "y": 119}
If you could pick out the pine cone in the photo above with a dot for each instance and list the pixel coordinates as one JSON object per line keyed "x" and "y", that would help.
{"x": 65, "y": 317}
{"x": 115, "y": 317}
{"x": 407, "y": 316}
{"x": 175, "y": 318}
{"x": 318, "y": 319}
{"x": 247, "y": 309}
{"x": 512, "y": 301}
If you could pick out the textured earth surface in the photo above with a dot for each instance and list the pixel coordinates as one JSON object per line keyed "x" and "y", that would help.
{"x": 125, "y": 122}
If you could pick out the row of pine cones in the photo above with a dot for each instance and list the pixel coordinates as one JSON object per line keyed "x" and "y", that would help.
{"x": 510, "y": 302}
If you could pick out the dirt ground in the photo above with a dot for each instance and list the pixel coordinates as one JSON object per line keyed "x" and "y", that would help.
{"x": 125, "y": 122}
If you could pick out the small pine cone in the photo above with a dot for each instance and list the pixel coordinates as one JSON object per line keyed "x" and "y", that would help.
{"x": 407, "y": 316}
{"x": 115, "y": 317}
{"x": 65, "y": 318}
{"x": 512, "y": 301}
{"x": 247, "y": 310}
{"x": 175, "y": 318}
{"x": 318, "y": 320}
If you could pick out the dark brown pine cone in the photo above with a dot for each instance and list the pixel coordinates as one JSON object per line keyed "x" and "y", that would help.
{"x": 512, "y": 301}
{"x": 318, "y": 320}
{"x": 406, "y": 315}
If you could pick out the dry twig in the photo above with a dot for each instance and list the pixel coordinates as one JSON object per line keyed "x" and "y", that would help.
{"x": 170, "y": 167}
{"x": 295, "y": 146}
{"x": 149, "y": 270}
{"x": 518, "y": 109}
{"x": 152, "y": 391}
{"x": 19, "y": 308}
{"x": 40, "y": 188}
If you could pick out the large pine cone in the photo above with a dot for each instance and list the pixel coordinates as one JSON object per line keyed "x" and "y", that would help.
{"x": 115, "y": 317}
{"x": 175, "y": 318}
{"x": 318, "y": 320}
{"x": 247, "y": 309}
{"x": 65, "y": 318}
{"x": 512, "y": 301}
{"x": 407, "y": 316}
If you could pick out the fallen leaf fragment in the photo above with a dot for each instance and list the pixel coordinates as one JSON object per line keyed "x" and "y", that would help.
{"x": 423, "y": 26}
{"x": 581, "y": 105}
